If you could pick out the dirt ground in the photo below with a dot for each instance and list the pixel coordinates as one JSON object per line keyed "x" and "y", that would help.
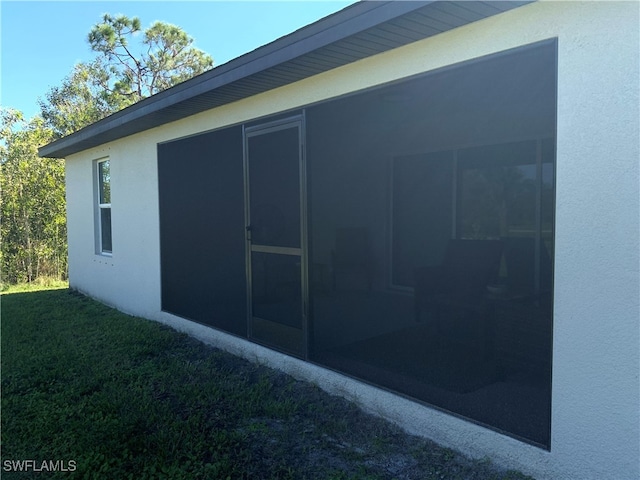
{"x": 329, "y": 437}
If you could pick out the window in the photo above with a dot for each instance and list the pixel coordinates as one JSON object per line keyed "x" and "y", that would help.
{"x": 104, "y": 208}
{"x": 429, "y": 238}
{"x": 431, "y": 210}
{"x": 202, "y": 230}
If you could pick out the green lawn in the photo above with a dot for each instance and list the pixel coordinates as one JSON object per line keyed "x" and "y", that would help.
{"x": 111, "y": 396}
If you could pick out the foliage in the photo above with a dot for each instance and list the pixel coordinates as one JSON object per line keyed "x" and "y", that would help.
{"x": 79, "y": 101}
{"x": 33, "y": 203}
{"x": 167, "y": 57}
{"x": 128, "y": 398}
{"x": 33, "y": 199}
{"x": 123, "y": 73}
{"x": 41, "y": 283}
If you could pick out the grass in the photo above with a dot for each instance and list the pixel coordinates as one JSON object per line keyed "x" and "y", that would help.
{"x": 122, "y": 397}
{"x": 40, "y": 283}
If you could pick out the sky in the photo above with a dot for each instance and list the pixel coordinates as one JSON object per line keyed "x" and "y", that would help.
{"x": 41, "y": 41}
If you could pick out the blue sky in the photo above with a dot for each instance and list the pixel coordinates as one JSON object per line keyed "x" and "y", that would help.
{"x": 42, "y": 40}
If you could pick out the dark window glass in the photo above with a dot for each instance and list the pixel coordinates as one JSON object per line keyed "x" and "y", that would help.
{"x": 276, "y": 288}
{"x": 202, "y": 235}
{"x": 105, "y": 229}
{"x": 422, "y": 212}
{"x": 547, "y": 215}
{"x": 104, "y": 206}
{"x": 274, "y": 183}
{"x": 276, "y": 301}
{"x": 497, "y": 191}
{"x": 430, "y": 273}
{"x": 104, "y": 179}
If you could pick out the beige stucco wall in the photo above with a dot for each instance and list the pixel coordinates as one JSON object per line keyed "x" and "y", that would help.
{"x": 596, "y": 360}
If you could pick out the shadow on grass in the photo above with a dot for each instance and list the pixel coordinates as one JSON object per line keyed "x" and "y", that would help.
{"x": 115, "y": 396}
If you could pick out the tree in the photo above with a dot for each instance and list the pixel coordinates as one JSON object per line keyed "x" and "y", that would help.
{"x": 124, "y": 72}
{"x": 32, "y": 204}
{"x": 167, "y": 56}
{"x": 79, "y": 101}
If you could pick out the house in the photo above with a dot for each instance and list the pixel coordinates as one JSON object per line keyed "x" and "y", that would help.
{"x": 431, "y": 208}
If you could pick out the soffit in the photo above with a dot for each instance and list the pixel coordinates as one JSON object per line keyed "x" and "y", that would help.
{"x": 359, "y": 31}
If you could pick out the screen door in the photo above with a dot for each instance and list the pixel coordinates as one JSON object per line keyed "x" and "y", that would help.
{"x": 275, "y": 248}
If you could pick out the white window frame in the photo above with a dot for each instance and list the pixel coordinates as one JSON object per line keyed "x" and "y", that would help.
{"x": 101, "y": 207}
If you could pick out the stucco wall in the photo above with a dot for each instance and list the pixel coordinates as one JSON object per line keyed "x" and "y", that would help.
{"x": 596, "y": 360}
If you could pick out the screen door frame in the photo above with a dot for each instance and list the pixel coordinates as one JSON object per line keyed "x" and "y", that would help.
{"x": 280, "y": 337}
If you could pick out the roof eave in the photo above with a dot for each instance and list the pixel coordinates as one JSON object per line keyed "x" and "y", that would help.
{"x": 199, "y": 93}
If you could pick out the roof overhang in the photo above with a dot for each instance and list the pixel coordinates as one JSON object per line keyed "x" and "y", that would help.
{"x": 356, "y": 32}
